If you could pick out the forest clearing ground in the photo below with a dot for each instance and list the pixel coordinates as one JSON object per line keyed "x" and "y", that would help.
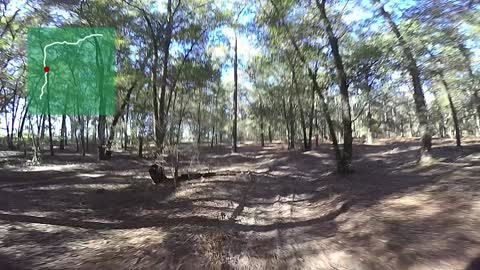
{"x": 285, "y": 210}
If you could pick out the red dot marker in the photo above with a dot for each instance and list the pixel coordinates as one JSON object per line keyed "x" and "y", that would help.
{"x": 46, "y": 69}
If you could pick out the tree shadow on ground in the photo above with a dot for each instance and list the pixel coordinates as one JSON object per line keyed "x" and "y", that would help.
{"x": 296, "y": 214}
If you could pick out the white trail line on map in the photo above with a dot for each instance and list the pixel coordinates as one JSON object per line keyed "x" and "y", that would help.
{"x": 58, "y": 43}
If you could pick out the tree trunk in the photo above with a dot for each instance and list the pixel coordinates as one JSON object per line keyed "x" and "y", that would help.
{"x": 37, "y": 154}
{"x": 291, "y": 118}
{"x": 42, "y": 132}
{"x": 473, "y": 83}
{"x": 81, "y": 120}
{"x": 117, "y": 116}
{"x": 199, "y": 117}
{"x": 22, "y": 124}
{"x": 125, "y": 132}
{"x": 270, "y": 133}
{"x": 346, "y": 158}
{"x": 287, "y": 123}
{"x": 262, "y": 135}
{"x": 369, "y": 125}
{"x": 312, "y": 111}
{"x": 163, "y": 86}
{"x": 418, "y": 95}
{"x": 102, "y": 115}
{"x": 50, "y": 135}
{"x": 63, "y": 132}
{"x": 458, "y": 136}
{"x": 235, "y": 97}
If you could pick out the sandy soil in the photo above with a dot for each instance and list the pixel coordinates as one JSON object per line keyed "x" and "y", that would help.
{"x": 283, "y": 210}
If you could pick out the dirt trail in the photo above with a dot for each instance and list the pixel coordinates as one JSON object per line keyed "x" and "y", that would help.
{"x": 288, "y": 210}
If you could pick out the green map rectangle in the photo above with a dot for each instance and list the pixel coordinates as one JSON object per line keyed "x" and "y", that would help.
{"x": 71, "y": 71}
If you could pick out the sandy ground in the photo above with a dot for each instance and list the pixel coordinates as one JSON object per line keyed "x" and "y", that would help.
{"x": 282, "y": 210}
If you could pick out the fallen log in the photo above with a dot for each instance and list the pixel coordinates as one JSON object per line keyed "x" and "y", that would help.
{"x": 157, "y": 173}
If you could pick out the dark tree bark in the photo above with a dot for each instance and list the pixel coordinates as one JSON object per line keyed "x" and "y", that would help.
{"x": 287, "y": 122}
{"x": 291, "y": 118}
{"x": 270, "y": 133}
{"x": 87, "y": 129}
{"x": 102, "y": 114}
{"x": 300, "y": 107}
{"x": 312, "y": 111}
{"x": 262, "y": 135}
{"x": 199, "y": 117}
{"x": 125, "y": 131}
{"x": 418, "y": 95}
{"x": 62, "y": 132}
{"x": 458, "y": 136}
{"x": 235, "y": 97}
{"x": 22, "y": 123}
{"x": 117, "y": 116}
{"x": 346, "y": 158}
{"x": 81, "y": 120}
{"x": 167, "y": 40}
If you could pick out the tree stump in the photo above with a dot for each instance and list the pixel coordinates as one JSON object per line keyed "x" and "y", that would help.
{"x": 157, "y": 174}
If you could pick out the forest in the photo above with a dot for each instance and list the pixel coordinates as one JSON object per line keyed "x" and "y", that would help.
{"x": 261, "y": 134}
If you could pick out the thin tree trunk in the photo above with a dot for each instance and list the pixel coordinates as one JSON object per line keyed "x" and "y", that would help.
{"x": 62, "y": 132}
{"x": 50, "y": 135}
{"x": 262, "y": 135}
{"x": 37, "y": 154}
{"x": 102, "y": 115}
{"x": 88, "y": 121}
{"x": 42, "y": 132}
{"x": 235, "y": 97}
{"x": 291, "y": 118}
{"x": 270, "y": 133}
{"x": 81, "y": 120}
{"x": 458, "y": 136}
{"x": 117, "y": 116}
{"x": 346, "y": 158}
{"x": 199, "y": 117}
{"x": 163, "y": 86}
{"x": 22, "y": 124}
{"x": 300, "y": 107}
{"x": 125, "y": 132}
{"x": 418, "y": 95}
{"x": 312, "y": 111}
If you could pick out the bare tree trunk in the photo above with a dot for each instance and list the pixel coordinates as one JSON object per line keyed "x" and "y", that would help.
{"x": 346, "y": 157}
{"x": 37, "y": 154}
{"x": 262, "y": 135}
{"x": 287, "y": 122}
{"x": 50, "y": 135}
{"x": 140, "y": 135}
{"x": 163, "y": 86}
{"x": 88, "y": 121}
{"x": 62, "y": 132}
{"x": 316, "y": 134}
{"x": 369, "y": 125}
{"x": 199, "y": 117}
{"x": 22, "y": 124}
{"x": 291, "y": 118}
{"x": 102, "y": 115}
{"x": 42, "y": 132}
{"x": 458, "y": 135}
{"x": 235, "y": 97}
{"x": 270, "y": 133}
{"x": 81, "y": 120}
{"x": 419, "y": 98}
{"x": 117, "y": 116}
{"x": 312, "y": 111}
{"x": 125, "y": 131}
